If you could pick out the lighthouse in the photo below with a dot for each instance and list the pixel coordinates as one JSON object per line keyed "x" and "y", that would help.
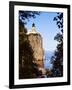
{"x": 33, "y": 30}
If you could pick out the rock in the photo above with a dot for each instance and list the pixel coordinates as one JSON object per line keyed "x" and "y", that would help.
{"x": 36, "y": 43}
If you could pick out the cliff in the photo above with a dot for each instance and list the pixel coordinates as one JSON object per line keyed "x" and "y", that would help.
{"x": 35, "y": 41}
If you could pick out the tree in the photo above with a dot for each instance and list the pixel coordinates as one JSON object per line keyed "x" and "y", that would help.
{"x": 27, "y": 69}
{"x": 26, "y": 15}
{"x": 57, "y": 59}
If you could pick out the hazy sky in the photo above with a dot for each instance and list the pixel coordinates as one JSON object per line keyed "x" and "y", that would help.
{"x": 46, "y": 27}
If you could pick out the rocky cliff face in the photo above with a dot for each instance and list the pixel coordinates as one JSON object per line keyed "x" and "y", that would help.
{"x": 35, "y": 41}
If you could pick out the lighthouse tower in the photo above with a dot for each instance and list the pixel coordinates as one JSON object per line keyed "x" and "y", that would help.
{"x": 33, "y": 30}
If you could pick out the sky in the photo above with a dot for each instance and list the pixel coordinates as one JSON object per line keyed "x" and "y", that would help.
{"x": 46, "y": 27}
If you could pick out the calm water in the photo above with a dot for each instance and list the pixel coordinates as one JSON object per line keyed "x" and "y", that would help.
{"x": 47, "y": 61}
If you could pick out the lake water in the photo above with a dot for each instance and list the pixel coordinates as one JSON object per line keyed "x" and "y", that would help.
{"x": 47, "y": 60}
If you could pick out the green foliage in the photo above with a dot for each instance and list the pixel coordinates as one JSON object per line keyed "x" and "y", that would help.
{"x": 49, "y": 73}
{"x": 57, "y": 59}
{"x": 26, "y": 15}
